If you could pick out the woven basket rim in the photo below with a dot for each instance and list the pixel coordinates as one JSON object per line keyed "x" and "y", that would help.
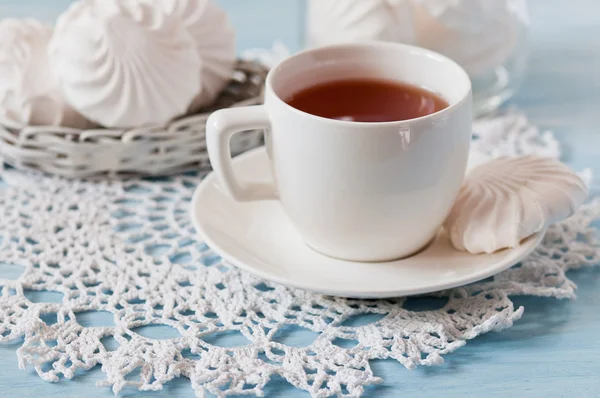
{"x": 153, "y": 149}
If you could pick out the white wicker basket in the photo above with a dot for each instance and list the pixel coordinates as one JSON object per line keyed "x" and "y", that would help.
{"x": 151, "y": 150}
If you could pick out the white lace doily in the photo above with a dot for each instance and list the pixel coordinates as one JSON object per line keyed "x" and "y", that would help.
{"x": 128, "y": 248}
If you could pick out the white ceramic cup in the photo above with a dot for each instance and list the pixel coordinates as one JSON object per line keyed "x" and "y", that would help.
{"x": 356, "y": 191}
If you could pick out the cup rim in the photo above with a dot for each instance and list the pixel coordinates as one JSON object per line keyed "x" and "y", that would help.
{"x": 381, "y": 45}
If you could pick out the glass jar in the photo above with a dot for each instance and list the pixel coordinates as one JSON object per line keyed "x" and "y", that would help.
{"x": 489, "y": 38}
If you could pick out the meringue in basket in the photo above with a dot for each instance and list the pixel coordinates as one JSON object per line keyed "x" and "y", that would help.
{"x": 29, "y": 94}
{"x": 214, "y": 36}
{"x": 125, "y": 63}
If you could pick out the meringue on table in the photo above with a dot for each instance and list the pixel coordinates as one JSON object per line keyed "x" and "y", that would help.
{"x": 508, "y": 199}
{"x": 29, "y": 93}
{"x": 125, "y": 63}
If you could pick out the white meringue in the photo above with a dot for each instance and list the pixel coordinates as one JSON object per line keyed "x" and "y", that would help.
{"x": 125, "y": 63}
{"x": 473, "y": 16}
{"x": 29, "y": 94}
{"x": 336, "y": 21}
{"x": 478, "y": 34}
{"x": 214, "y": 36}
{"x": 508, "y": 199}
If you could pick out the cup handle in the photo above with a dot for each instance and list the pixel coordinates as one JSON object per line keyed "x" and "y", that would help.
{"x": 220, "y": 127}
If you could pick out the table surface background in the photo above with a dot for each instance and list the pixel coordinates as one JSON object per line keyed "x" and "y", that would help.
{"x": 553, "y": 350}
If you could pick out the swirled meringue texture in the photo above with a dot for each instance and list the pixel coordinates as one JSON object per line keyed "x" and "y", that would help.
{"x": 214, "y": 36}
{"x": 508, "y": 199}
{"x": 335, "y": 21}
{"x": 29, "y": 94}
{"x": 478, "y": 34}
{"x": 125, "y": 63}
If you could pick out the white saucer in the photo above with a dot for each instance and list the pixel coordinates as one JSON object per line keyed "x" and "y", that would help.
{"x": 259, "y": 238}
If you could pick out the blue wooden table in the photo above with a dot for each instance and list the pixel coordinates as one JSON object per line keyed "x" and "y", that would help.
{"x": 553, "y": 351}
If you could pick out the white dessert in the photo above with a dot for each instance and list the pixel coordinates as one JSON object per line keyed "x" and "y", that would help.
{"x": 29, "y": 94}
{"x": 508, "y": 199}
{"x": 478, "y": 34}
{"x": 336, "y": 21}
{"x": 125, "y": 63}
{"x": 214, "y": 37}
